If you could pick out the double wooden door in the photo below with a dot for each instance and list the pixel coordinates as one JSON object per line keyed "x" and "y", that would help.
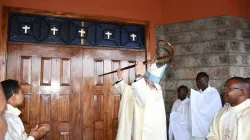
{"x": 62, "y": 88}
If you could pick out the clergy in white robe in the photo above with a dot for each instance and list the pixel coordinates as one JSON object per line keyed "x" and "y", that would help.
{"x": 204, "y": 104}
{"x": 150, "y": 116}
{"x": 125, "y": 116}
{"x": 232, "y": 122}
{"x": 179, "y": 116}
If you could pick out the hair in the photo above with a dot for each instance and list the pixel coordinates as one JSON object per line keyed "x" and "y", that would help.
{"x": 203, "y": 74}
{"x": 184, "y": 87}
{"x": 10, "y": 87}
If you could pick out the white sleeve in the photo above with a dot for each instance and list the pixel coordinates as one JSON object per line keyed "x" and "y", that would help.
{"x": 121, "y": 86}
{"x": 14, "y": 131}
{"x": 140, "y": 91}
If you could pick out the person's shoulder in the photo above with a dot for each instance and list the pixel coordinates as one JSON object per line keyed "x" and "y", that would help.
{"x": 222, "y": 111}
{"x": 177, "y": 101}
{"x": 213, "y": 90}
{"x": 10, "y": 118}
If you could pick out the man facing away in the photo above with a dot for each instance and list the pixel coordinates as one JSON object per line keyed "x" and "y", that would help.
{"x": 15, "y": 129}
{"x": 179, "y": 116}
{"x": 204, "y": 104}
{"x": 149, "y": 112}
{"x": 232, "y": 122}
{"x": 126, "y": 109}
{"x": 144, "y": 101}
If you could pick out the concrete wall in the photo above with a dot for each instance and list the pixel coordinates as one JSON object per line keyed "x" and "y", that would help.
{"x": 219, "y": 46}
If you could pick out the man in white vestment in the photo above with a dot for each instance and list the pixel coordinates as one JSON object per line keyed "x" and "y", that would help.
{"x": 15, "y": 128}
{"x": 149, "y": 112}
{"x": 179, "y": 116}
{"x": 125, "y": 116}
{"x": 232, "y": 122}
{"x": 204, "y": 104}
{"x": 2, "y": 109}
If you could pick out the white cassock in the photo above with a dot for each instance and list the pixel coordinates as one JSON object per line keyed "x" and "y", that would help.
{"x": 15, "y": 128}
{"x": 204, "y": 106}
{"x": 179, "y": 121}
{"x": 125, "y": 116}
{"x": 231, "y": 123}
{"x": 150, "y": 116}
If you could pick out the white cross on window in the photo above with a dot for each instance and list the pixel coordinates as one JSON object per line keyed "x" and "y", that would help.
{"x": 82, "y": 32}
{"x": 54, "y": 30}
{"x": 108, "y": 34}
{"x": 26, "y": 28}
{"x": 133, "y": 36}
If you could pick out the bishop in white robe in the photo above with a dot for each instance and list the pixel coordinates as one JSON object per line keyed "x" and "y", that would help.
{"x": 150, "y": 116}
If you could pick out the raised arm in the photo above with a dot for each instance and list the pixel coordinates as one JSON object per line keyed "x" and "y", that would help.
{"x": 140, "y": 86}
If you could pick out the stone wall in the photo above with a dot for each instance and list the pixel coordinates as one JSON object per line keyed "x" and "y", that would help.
{"x": 219, "y": 46}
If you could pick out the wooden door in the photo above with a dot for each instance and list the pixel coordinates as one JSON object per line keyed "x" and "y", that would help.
{"x": 51, "y": 77}
{"x": 62, "y": 88}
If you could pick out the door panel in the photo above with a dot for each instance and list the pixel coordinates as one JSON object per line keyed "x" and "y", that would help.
{"x": 62, "y": 88}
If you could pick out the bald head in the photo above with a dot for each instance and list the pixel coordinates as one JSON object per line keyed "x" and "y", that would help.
{"x": 241, "y": 82}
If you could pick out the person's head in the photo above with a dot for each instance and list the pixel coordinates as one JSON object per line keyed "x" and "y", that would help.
{"x": 13, "y": 92}
{"x": 202, "y": 79}
{"x": 149, "y": 83}
{"x": 236, "y": 90}
{"x": 182, "y": 92}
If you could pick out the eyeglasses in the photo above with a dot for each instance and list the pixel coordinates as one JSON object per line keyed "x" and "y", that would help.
{"x": 225, "y": 88}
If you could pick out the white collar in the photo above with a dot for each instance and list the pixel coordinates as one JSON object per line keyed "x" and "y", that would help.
{"x": 205, "y": 89}
{"x": 12, "y": 110}
{"x": 185, "y": 100}
{"x": 242, "y": 106}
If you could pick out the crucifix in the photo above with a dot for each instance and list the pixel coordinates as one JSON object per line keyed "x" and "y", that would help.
{"x": 133, "y": 36}
{"x": 26, "y": 28}
{"x": 54, "y": 30}
{"x": 108, "y": 34}
{"x": 82, "y": 32}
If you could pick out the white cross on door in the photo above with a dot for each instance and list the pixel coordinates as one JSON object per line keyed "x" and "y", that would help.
{"x": 133, "y": 36}
{"x": 108, "y": 34}
{"x": 82, "y": 32}
{"x": 26, "y": 28}
{"x": 54, "y": 30}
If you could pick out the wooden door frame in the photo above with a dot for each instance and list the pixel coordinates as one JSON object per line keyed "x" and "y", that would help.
{"x": 4, "y": 37}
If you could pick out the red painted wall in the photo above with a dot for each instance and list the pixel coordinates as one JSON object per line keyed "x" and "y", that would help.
{"x": 180, "y": 10}
{"x": 238, "y": 8}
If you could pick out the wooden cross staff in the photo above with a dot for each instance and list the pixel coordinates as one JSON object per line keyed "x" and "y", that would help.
{"x": 150, "y": 60}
